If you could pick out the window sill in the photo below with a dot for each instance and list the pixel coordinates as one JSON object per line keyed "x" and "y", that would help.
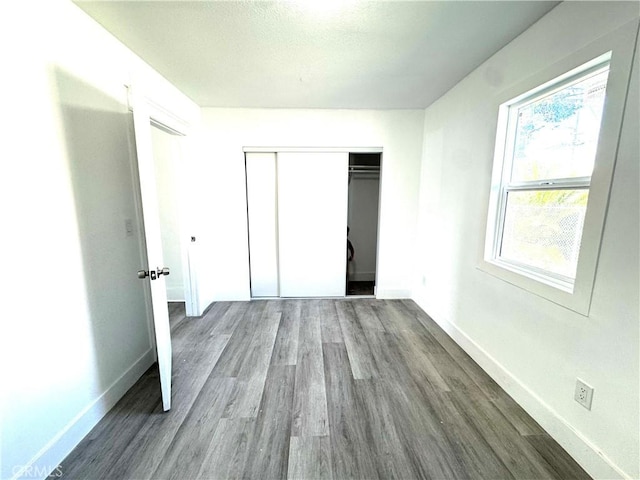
{"x": 560, "y": 284}
{"x": 561, "y": 293}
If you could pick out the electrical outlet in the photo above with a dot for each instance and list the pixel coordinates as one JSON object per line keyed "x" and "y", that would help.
{"x": 583, "y": 394}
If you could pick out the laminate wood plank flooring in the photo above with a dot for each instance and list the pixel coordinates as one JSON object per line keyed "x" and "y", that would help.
{"x": 286, "y": 347}
{"x": 318, "y": 389}
{"x": 252, "y": 373}
{"x": 360, "y": 359}
{"x": 446, "y": 348}
{"x": 310, "y": 399}
{"x": 185, "y": 454}
{"x": 309, "y": 457}
{"x": 269, "y": 446}
{"x": 350, "y": 436}
{"x": 329, "y": 323}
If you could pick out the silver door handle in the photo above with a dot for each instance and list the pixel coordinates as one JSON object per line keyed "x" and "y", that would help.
{"x": 163, "y": 271}
{"x": 142, "y": 274}
{"x": 151, "y": 273}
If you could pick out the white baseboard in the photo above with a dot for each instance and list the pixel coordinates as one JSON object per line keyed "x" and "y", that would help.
{"x": 583, "y": 451}
{"x": 50, "y": 457}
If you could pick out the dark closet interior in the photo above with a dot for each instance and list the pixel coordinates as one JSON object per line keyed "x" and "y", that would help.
{"x": 362, "y": 230}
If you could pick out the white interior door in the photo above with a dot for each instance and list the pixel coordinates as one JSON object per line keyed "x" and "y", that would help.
{"x": 312, "y": 223}
{"x": 154, "y": 269}
{"x": 263, "y": 223}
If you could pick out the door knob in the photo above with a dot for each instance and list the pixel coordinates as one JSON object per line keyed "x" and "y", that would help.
{"x": 143, "y": 274}
{"x": 163, "y": 271}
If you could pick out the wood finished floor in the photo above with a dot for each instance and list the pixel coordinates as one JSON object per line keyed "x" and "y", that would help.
{"x": 318, "y": 389}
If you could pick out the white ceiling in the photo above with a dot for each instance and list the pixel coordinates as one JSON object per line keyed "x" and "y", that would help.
{"x": 315, "y": 53}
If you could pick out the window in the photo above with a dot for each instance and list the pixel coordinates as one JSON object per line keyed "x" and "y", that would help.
{"x": 550, "y": 143}
{"x": 553, "y": 165}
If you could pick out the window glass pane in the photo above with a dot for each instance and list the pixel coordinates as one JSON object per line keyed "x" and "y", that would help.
{"x": 557, "y": 135}
{"x": 543, "y": 229}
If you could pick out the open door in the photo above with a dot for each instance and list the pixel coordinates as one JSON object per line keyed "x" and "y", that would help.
{"x": 155, "y": 270}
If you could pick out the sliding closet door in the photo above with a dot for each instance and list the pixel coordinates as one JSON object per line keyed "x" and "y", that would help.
{"x": 263, "y": 233}
{"x": 312, "y": 223}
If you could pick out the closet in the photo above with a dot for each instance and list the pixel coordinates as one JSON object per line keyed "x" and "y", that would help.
{"x": 363, "y": 211}
{"x": 297, "y": 205}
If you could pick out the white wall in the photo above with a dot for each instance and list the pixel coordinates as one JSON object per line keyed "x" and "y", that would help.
{"x": 221, "y": 188}
{"x": 363, "y": 224}
{"x": 534, "y": 348}
{"x": 167, "y": 158}
{"x": 75, "y": 334}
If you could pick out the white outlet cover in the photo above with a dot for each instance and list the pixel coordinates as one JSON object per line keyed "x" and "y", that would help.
{"x": 583, "y": 394}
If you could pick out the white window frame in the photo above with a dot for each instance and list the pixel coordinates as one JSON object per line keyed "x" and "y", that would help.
{"x": 506, "y": 185}
{"x": 615, "y": 50}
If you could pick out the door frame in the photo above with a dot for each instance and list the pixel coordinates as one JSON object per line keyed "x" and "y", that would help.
{"x": 171, "y": 123}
